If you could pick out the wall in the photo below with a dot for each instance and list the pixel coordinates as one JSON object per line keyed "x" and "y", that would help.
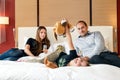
{"x": 74, "y": 10}
{"x": 10, "y": 12}
{"x": 50, "y": 11}
{"x": 25, "y": 14}
{"x": 104, "y": 12}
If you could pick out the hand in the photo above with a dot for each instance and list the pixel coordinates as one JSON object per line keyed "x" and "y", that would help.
{"x": 79, "y": 54}
{"x": 45, "y": 51}
{"x": 85, "y": 58}
{"x": 67, "y": 29}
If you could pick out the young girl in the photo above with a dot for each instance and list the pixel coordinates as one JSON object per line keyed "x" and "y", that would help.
{"x": 68, "y": 60}
{"x": 33, "y": 47}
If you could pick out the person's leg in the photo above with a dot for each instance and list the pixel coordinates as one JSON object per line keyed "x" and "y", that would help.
{"x": 11, "y": 58}
{"x": 49, "y": 63}
{"x": 18, "y": 53}
{"x": 13, "y": 52}
{"x": 97, "y": 60}
{"x": 112, "y": 57}
{"x": 6, "y": 54}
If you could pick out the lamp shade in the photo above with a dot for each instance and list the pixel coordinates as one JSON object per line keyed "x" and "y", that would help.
{"x": 4, "y": 20}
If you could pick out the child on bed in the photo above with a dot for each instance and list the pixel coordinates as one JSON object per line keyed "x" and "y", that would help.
{"x": 67, "y": 60}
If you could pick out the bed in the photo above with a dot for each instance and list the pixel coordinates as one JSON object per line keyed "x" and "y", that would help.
{"x": 14, "y": 70}
{"x": 10, "y": 70}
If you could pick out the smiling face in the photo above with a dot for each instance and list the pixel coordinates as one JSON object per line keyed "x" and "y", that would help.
{"x": 82, "y": 28}
{"x": 78, "y": 62}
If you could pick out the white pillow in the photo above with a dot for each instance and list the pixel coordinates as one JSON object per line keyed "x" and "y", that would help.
{"x": 29, "y": 59}
{"x": 54, "y": 46}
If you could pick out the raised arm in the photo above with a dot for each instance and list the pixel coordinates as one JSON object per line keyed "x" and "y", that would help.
{"x": 69, "y": 38}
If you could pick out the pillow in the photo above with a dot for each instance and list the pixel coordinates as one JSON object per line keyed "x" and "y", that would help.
{"x": 29, "y": 59}
{"x": 54, "y": 46}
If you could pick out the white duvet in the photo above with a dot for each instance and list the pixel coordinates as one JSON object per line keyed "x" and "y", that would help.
{"x": 11, "y": 70}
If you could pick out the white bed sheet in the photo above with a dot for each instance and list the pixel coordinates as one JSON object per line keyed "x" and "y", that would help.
{"x": 11, "y": 70}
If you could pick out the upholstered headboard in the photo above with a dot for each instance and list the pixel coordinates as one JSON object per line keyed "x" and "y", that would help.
{"x": 25, "y": 32}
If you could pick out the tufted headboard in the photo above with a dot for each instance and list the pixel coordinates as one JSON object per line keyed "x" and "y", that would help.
{"x": 25, "y": 32}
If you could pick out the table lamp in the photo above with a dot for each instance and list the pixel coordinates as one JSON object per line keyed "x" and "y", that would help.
{"x": 3, "y": 21}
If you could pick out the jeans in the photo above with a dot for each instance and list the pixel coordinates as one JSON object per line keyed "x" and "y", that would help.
{"x": 13, "y": 54}
{"x": 106, "y": 58}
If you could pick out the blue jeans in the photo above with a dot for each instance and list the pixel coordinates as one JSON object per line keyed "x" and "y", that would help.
{"x": 106, "y": 58}
{"x": 13, "y": 54}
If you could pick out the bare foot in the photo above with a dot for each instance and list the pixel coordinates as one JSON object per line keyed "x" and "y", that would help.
{"x": 49, "y": 63}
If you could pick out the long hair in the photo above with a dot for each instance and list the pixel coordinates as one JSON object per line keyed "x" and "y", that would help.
{"x": 45, "y": 40}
